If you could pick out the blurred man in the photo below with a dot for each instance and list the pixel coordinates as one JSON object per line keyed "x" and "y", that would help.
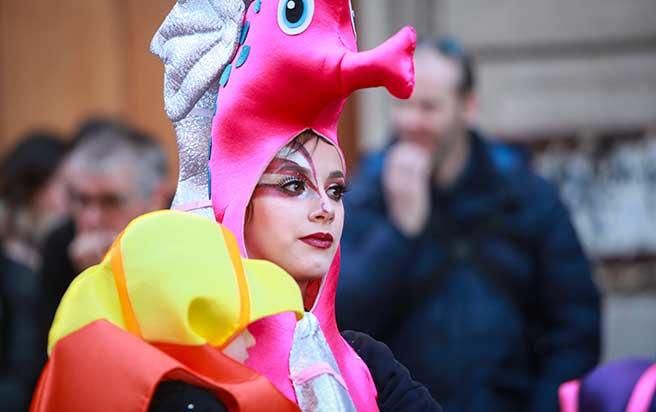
{"x": 114, "y": 174}
{"x": 462, "y": 259}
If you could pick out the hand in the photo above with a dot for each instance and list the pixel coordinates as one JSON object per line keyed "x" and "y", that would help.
{"x": 406, "y": 183}
{"x": 88, "y": 248}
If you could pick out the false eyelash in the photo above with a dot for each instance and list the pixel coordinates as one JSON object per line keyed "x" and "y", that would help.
{"x": 343, "y": 187}
{"x": 289, "y": 179}
{"x": 281, "y": 180}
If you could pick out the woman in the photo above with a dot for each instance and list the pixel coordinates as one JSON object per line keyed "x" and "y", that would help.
{"x": 295, "y": 219}
{"x": 296, "y": 63}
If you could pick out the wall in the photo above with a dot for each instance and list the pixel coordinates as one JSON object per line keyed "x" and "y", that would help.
{"x": 61, "y": 61}
{"x": 543, "y": 66}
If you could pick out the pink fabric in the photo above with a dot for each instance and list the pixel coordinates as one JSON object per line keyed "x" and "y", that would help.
{"x": 569, "y": 396}
{"x": 643, "y": 393}
{"x": 317, "y": 370}
{"x": 290, "y": 84}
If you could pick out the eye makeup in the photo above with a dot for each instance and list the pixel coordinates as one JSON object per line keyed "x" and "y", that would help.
{"x": 336, "y": 191}
{"x": 289, "y": 179}
{"x": 292, "y": 173}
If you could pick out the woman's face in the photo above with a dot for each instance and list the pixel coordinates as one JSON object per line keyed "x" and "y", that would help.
{"x": 296, "y": 214}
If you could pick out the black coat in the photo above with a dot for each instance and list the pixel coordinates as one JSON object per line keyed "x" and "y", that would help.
{"x": 397, "y": 391}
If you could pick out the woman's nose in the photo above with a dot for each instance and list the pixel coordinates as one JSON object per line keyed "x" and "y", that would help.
{"x": 324, "y": 211}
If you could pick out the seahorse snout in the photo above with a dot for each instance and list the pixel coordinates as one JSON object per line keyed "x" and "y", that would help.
{"x": 389, "y": 65}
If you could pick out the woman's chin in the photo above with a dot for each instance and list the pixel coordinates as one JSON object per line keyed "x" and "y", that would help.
{"x": 310, "y": 270}
{"x": 318, "y": 264}
{"x": 305, "y": 263}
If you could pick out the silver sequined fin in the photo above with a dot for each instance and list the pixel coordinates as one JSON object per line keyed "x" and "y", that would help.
{"x": 196, "y": 41}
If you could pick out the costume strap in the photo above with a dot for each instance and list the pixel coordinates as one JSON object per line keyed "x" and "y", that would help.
{"x": 312, "y": 372}
{"x": 569, "y": 396}
{"x": 643, "y": 393}
{"x": 129, "y": 318}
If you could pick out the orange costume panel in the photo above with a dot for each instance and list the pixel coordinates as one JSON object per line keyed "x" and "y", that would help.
{"x": 88, "y": 359}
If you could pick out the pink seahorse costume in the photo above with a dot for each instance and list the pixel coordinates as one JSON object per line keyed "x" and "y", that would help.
{"x": 296, "y": 64}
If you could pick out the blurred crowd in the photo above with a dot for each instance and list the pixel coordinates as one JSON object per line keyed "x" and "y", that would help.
{"x": 62, "y": 203}
{"x": 609, "y": 187}
{"x": 455, "y": 252}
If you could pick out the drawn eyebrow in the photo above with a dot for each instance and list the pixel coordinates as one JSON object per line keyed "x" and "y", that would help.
{"x": 287, "y": 165}
{"x": 336, "y": 174}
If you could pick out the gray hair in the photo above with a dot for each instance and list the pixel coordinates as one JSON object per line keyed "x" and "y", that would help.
{"x": 108, "y": 149}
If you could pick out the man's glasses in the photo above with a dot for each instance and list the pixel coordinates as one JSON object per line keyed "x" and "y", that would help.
{"x": 104, "y": 201}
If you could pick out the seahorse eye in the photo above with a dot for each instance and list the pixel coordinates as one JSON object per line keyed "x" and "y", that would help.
{"x": 294, "y": 11}
{"x": 295, "y": 16}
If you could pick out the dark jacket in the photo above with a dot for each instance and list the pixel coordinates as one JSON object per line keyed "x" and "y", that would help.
{"x": 493, "y": 305}
{"x": 57, "y": 271}
{"x": 20, "y": 354}
{"x": 397, "y": 391}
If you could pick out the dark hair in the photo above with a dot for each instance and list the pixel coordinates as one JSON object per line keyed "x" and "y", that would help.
{"x": 302, "y": 139}
{"x": 450, "y": 48}
{"x": 295, "y": 145}
{"x": 28, "y": 166}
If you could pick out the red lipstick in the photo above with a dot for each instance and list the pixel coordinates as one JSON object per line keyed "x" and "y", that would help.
{"x": 319, "y": 240}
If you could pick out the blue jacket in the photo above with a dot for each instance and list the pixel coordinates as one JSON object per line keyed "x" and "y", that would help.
{"x": 493, "y": 305}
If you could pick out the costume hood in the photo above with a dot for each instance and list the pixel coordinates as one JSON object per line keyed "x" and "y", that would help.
{"x": 296, "y": 63}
